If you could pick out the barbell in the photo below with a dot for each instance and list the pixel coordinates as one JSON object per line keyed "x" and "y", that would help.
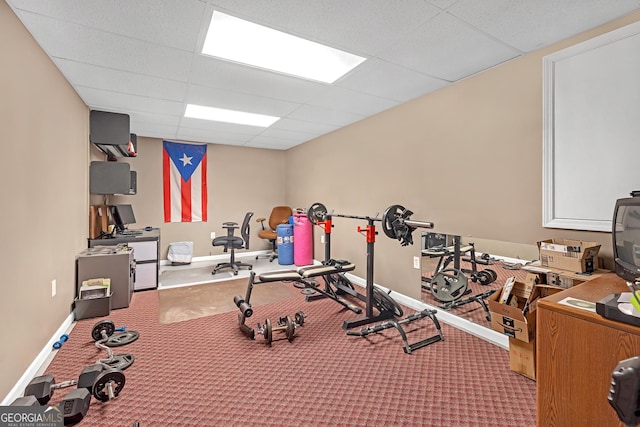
{"x": 396, "y": 221}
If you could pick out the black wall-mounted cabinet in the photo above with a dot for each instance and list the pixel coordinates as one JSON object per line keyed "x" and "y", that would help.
{"x": 111, "y": 133}
{"x": 112, "y": 178}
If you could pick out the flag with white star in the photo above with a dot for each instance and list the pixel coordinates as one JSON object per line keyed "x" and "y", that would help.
{"x": 184, "y": 173}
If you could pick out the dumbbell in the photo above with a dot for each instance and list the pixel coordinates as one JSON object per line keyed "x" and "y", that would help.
{"x": 75, "y": 404}
{"x": 104, "y": 384}
{"x": 64, "y": 338}
{"x": 245, "y": 307}
{"x": 285, "y": 324}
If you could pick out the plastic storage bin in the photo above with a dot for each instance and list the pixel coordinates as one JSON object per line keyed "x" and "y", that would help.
{"x": 180, "y": 253}
{"x": 284, "y": 242}
{"x": 92, "y": 307}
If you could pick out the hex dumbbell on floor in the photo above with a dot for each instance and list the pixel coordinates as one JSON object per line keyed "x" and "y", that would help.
{"x": 103, "y": 384}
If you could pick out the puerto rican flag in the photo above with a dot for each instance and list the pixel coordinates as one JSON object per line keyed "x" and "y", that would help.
{"x": 184, "y": 174}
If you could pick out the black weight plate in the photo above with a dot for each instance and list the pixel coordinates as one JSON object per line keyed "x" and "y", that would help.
{"x": 493, "y": 274}
{"x": 484, "y": 278}
{"x": 122, "y": 338}
{"x": 448, "y": 285}
{"x": 299, "y": 318}
{"x": 103, "y": 325}
{"x": 121, "y": 361}
{"x": 308, "y": 291}
{"x": 390, "y": 215}
{"x": 101, "y": 385}
{"x": 268, "y": 331}
{"x": 291, "y": 329}
{"x": 384, "y": 303}
{"x": 316, "y": 213}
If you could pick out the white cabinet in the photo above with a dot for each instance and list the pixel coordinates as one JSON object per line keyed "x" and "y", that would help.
{"x": 146, "y": 275}
{"x": 144, "y": 251}
{"x": 146, "y": 254}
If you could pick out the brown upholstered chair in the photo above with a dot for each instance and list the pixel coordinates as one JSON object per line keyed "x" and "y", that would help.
{"x": 279, "y": 215}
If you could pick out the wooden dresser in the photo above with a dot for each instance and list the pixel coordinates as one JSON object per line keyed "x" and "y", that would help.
{"x": 576, "y": 352}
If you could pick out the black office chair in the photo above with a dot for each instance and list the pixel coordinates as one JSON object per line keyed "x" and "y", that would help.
{"x": 232, "y": 242}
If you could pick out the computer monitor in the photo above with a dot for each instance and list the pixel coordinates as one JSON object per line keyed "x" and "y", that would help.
{"x": 122, "y": 216}
{"x": 626, "y": 237}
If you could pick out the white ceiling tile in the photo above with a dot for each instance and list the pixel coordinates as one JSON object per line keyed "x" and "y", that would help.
{"x": 529, "y": 25}
{"x": 287, "y": 135}
{"x": 154, "y": 118}
{"x": 230, "y": 128}
{"x": 208, "y": 71}
{"x": 272, "y": 143}
{"x": 208, "y": 138}
{"x": 311, "y": 128}
{"x": 449, "y": 49}
{"x": 329, "y": 116}
{"x": 153, "y": 130}
{"x": 165, "y": 22}
{"x": 361, "y": 27}
{"x": 120, "y": 102}
{"x": 351, "y": 101}
{"x": 141, "y": 58}
{"x": 213, "y": 135}
{"x": 83, "y": 44}
{"x": 221, "y": 98}
{"x": 387, "y": 80}
{"x": 88, "y": 75}
{"x": 442, "y": 4}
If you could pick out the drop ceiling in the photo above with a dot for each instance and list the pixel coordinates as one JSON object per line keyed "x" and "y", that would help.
{"x": 141, "y": 57}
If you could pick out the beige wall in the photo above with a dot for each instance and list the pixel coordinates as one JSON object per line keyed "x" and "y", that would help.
{"x": 44, "y": 213}
{"x": 467, "y": 157}
{"x": 240, "y": 180}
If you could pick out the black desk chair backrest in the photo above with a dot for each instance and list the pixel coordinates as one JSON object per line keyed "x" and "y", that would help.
{"x": 231, "y": 242}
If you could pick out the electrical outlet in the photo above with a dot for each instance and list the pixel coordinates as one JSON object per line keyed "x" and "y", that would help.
{"x": 213, "y": 235}
{"x": 53, "y": 288}
{"x": 322, "y": 239}
{"x": 416, "y": 262}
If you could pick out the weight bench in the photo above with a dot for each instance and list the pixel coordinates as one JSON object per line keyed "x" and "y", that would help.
{"x": 388, "y": 308}
{"x": 303, "y": 275}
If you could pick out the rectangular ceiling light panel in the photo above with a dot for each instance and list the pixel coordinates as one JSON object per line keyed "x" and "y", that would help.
{"x": 229, "y": 116}
{"x": 241, "y": 41}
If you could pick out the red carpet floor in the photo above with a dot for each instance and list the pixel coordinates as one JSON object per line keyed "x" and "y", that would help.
{"x": 205, "y": 372}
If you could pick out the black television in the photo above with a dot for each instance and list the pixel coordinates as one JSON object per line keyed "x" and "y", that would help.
{"x": 122, "y": 216}
{"x": 626, "y": 237}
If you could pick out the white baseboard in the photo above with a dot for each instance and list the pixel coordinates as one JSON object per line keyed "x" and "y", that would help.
{"x": 444, "y": 316}
{"x": 40, "y": 362}
{"x": 220, "y": 257}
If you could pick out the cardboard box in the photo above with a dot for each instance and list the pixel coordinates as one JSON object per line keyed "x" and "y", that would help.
{"x": 572, "y": 255}
{"x": 98, "y": 220}
{"x": 563, "y": 279}
{"x": 513, "y": 320}
{"x": 522, "y": 357}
